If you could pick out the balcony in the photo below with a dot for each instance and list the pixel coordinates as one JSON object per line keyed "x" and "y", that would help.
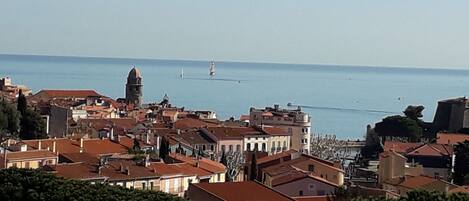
{"x": 284, "y": 148}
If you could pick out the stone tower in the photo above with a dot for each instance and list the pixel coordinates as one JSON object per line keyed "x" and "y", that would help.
{"x": 133, "y": 88}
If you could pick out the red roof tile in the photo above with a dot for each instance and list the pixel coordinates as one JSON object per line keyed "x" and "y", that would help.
{"x": 451, "y": 138}
{"x": 245, "y": 191}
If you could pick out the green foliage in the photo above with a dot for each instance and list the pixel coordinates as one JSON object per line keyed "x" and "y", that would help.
{"x": 399, "y": 126}
{"x": 223, "y": 159}
{"x": 164, "y": 148}
{"x": 27, "y": 184}
{"x": 461, "y": 166}
{"x": 414, "y": 112}
{"x": 32, "y": 125}
{"x": 9, "y": 118}
{"x": 253, "y": 172}
{"x": 22, "y": 104}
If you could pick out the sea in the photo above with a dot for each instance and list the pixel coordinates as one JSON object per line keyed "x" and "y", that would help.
{"x": 342, "y": 100}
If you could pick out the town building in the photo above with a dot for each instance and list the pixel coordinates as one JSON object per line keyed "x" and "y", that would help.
{"x": 294, "y": 122}
{"x": 452, "y": 115}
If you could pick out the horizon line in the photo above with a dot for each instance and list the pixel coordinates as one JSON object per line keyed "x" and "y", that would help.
{"x": 235, "y": 61}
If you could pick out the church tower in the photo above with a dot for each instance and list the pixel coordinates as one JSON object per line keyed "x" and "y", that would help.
{"x": 133, "y": 88}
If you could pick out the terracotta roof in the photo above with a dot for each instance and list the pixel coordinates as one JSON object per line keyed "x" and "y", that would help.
{"x": 120, "y": 124}
{"x": 80, "y": 157}
{"x": 81, "y": 171}
{"x": 206, "y": 164}
{"x": 275, "y": 156}
{"x": 68, "y": 93}
{"x": 226, "y": 132}
{"x": 185, "y": 169}
{"x": 311, "y": 198}
{"x": 94, "y": 147}
{"x": 400, "y": 147}
{"x": 33, "y": 154}
{"x": 432, "y": 150}
{"x": 451, "y": 138}
{"x": 460, "y": 189}
{"x": 275, "y": 130}
{"x": 187, "y": 123}
{"x": 246, "y": 191}
{"x": 416, "y": 181}
{"x": 386, "y": 154}
{"x": 244, "y": 117}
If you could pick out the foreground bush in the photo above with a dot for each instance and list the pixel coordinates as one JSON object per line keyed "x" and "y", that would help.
{"x": 27, "y": 184}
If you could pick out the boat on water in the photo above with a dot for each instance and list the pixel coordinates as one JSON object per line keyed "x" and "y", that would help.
{"x": 212, "y": 69}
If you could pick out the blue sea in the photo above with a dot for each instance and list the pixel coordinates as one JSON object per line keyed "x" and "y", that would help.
{"x": 342, "y": 100}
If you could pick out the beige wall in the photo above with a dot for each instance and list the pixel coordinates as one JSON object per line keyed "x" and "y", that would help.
{"x": 392, "y": 166}
{"x": 278, "y": 140}
{"x": 33, "y": 163}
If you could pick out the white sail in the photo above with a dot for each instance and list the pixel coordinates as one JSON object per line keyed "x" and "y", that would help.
{"x": 212, "y": 69}
{"x": 182, "y": 73}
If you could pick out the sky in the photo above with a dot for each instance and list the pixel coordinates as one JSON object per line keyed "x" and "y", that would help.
{"x": 417, "y": 33}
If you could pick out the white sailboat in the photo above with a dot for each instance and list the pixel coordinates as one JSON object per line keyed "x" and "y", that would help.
{"x": 182, "y": 73}
{"x": 212, "y": 69}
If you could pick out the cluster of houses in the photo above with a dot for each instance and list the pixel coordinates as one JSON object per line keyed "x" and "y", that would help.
{"x": 265, "y": 155}
{"x": 119, "y": 141}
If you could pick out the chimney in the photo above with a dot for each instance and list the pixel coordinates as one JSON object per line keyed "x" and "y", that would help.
{"x": 147, "y": 137}
{"x": 147, "y": 161}
{"x": 127, "y": 170}
{"x": 81, "y": 145}
{"x": 121, "y": 168}
{"x": 158, "y": 140}
{"x": 197, "y": 163}
{"x": 178, "y": 131}
{"x": 39, "y": 143}
{"x": 53, "y": 146}
{"x": 99, "y": 170}
{"x": 111, "y": 134}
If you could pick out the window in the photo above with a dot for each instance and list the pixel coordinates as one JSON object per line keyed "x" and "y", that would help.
{"x": 278, "y": 144}
{"x": 256, "y": 146}
{"x": 285, "y": 144}
{"x": 264, "y": 147}
{"x": 257, "y": 138}
{"x": 211, "y": 147}
{"x": 249, "y": 138}
{"x": 263, "y": 138}
{"x": 300, "y": 193}
{"x": 176, "y": 184}
{"x": 223, "y": 148}
{"x": 218, "y": 177}
{"x": 311, "y": 167}
{"x": 238, "y": 147}
{"x": 143, "y": 185}
{"x": 151, "y": 185}
{"x": 311, "y": 187}
{"x": 26, "y": 164}
{"x": 273, "y": 145}
{"x": 249, "y": 146}
{"x": 231, "y": 148}
{"x": 203, "y": 147}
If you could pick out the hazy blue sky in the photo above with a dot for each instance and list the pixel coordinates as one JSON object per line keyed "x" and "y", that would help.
{"x": 425, "y": 33}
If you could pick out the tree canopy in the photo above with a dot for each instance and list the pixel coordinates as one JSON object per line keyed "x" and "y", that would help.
{"x": 27, "y": 184}
{"x": 399, "y": 126}
{"x": 461, "y": 171}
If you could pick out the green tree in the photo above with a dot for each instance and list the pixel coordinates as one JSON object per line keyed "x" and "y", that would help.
{"x": 223, "y": 158}
{"x": 32, "y": 126}
{"x": 414, "y": 112}
{"x": 399, "y": 126}
{"x": 164, "y": 148}
{"x": 253, "y": 172}
{"x": 9, "y": 121}
{"x": 22, "y": 104}
{"x": 461, "y": 166}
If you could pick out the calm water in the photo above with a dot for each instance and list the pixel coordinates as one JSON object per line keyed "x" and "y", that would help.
{"x": 342, "y": 100}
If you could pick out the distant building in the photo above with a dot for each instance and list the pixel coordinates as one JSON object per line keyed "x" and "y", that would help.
{"x": 134, "y": 88}
{"x": 294, "y": 122}
{"x": 452, "y": 115}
